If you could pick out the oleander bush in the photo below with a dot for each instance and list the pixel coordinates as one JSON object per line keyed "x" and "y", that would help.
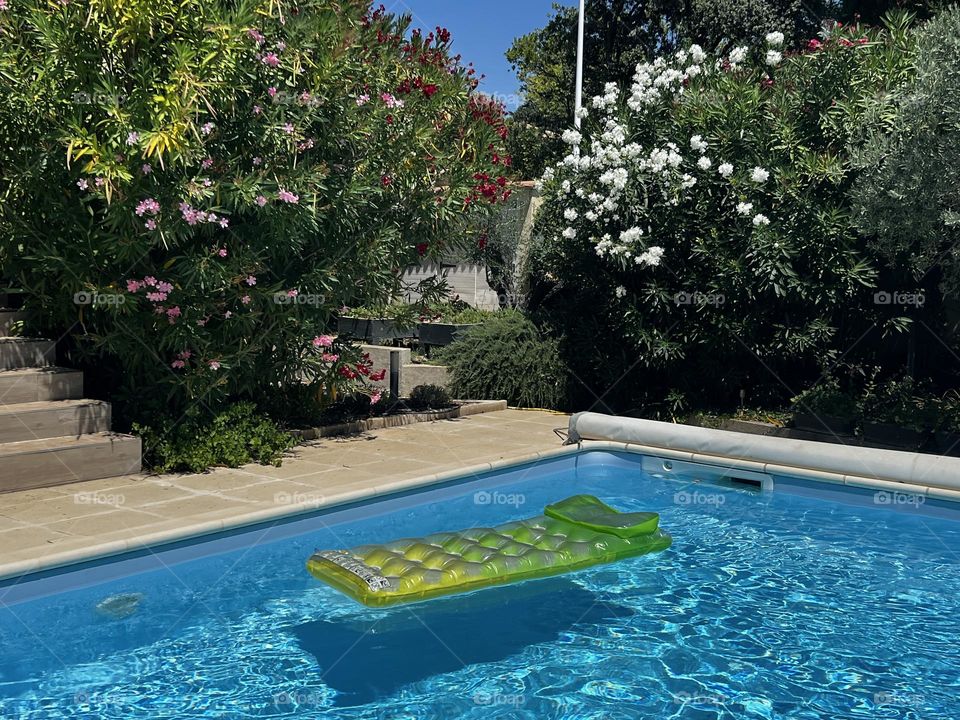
{"x": 190, "y": 190}
{"x": 698, "y": 236}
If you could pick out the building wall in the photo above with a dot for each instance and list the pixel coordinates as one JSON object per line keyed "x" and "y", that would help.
{"x": 468, "y": 280}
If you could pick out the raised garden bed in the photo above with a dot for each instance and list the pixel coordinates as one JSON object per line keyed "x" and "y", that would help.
{"x": 462, "y": 408}
{"x": 823, "y": 423}
{"x": 947, "y": 442}
{"x": 373, "y": 331}
{"x": 894, "y": 436}
{"x": 438, "y": 334}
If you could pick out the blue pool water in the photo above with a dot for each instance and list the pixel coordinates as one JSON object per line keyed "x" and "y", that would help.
{"x": 778, "y": 605}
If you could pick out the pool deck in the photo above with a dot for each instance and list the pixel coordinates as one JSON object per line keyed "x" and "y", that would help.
{"x": 62, "y": 525}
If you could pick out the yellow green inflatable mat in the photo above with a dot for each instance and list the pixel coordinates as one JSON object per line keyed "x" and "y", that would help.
{"x": 572, "y": 534}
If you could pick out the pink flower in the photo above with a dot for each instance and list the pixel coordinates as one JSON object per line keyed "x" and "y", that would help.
{"x": 222, "y": 252}
{"x": 150, "y": 280}
{"x": 172, "y": 314}
{"x": 288, "y": 129}
{"x": 223, "y": 222}
{"x": 178, "y": 364}
{"x": 146, "y": 169}
{"x": 255, "y": 35}
{"x": 207, "y": 163}
{"x": 207, "y": 182}
{"x": 3, "y": 4}
{"x": 281, "y": 46}
{"x": 257, "y": 161}
{"x": 82, "y": 184}
{"x": 363, "y": 99}
{"x": 329, "y": 357}
{"x": 207, "y": 128}
{"x": 390, "y": 101}
{"x": 292, "y": 293}
{"x": 185, "y": 355}
{"x": 245, "y": 299}
{"x": 150, "y": 224}
{"x": 98, "y": 181}
{"x": 228, "y": 314}
{"x": 133, "y": 285}
{"x": 375, "y": 398}
{"x": 257, "y": 109}
{"x": 164, "y": 286}
{"x": 149, "y": 206}
{"x": 251, "y": 280}
{"x": 288, "y": 197}
{"x": 305, "y": 97}
{"x": 156, "y": 296}
{"x": 270, "y": 59}
{"x": 202, "y": 322}
{"x": 272, "y": 91}
{"x": 323, "y": 341}
{"x": 133, "y": 138}
{"x": 214, "y": 365}
{"x": 261, "y": 200}
{"x": 814, "y": 44}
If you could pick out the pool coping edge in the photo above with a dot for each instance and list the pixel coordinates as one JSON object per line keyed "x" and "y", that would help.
{"x": 201, "y": 528}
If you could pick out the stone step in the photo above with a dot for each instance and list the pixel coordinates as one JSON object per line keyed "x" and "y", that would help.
{"x": 18, "y": 353}
{"x": 34, "y": 384}
{"x": 59, "y": 461}
{"x": 52, "y": 418}
{"x": 8, "y": 318}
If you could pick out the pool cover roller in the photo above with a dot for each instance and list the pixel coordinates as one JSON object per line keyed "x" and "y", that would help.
{"x": 572, "y": 534}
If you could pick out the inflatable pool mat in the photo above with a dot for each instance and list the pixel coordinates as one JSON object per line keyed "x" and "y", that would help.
{"x": 572, "y": 534}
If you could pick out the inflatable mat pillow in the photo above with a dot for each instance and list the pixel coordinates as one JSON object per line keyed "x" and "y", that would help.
{"x": 572, "y": 534}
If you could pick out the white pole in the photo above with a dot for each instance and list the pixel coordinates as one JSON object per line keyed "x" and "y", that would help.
{"x": 579, "y": 90}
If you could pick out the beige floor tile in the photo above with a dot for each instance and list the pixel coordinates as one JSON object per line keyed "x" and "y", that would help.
{"x": 62, "y": 508}
{"x": 106, "y": 523}
{"x": 220, "y": 480}
{"x": 75, "y": 517}
{"x": 13, "y": 543}
{"x": 197, "y": 505}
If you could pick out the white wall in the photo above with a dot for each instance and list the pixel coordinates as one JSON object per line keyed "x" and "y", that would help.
{"x": 468, "y": 280}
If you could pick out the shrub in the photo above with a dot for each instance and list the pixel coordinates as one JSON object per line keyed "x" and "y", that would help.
{"x": 506, "y": 358}
{"x": 898, "y": 402}
{"x": 432, "y": 397}
{"x": 827, "y": 398}
{"x": 701, "y": 237}
{"x": 235, "y": 436}
{"x": 192, "y": 189}
{"x": 908, "y": 195}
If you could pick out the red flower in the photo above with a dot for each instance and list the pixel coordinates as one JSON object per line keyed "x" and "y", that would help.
{"x": 814, "y": 44}
{"x": 378, "y": 375}
{"x": 421, "y": 249}
{"x": 386, "y": 180}
{"x": 347, "y": 372}
{"x": 429, "y": 90}
{"x": 845, "y": 42}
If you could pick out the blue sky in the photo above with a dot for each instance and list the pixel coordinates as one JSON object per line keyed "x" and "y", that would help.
{"x": 482, "y": 32}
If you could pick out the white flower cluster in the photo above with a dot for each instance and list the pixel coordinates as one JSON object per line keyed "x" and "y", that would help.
{"x": 613, "y": 189}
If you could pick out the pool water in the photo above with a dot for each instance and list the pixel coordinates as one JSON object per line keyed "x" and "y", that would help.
{"x": 773, "y": 605}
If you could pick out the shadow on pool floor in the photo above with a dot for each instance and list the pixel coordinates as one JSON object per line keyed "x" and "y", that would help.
{"x": 366, "y": 659}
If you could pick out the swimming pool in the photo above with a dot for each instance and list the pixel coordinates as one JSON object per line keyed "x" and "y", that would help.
{"x": 810, "y": 601}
